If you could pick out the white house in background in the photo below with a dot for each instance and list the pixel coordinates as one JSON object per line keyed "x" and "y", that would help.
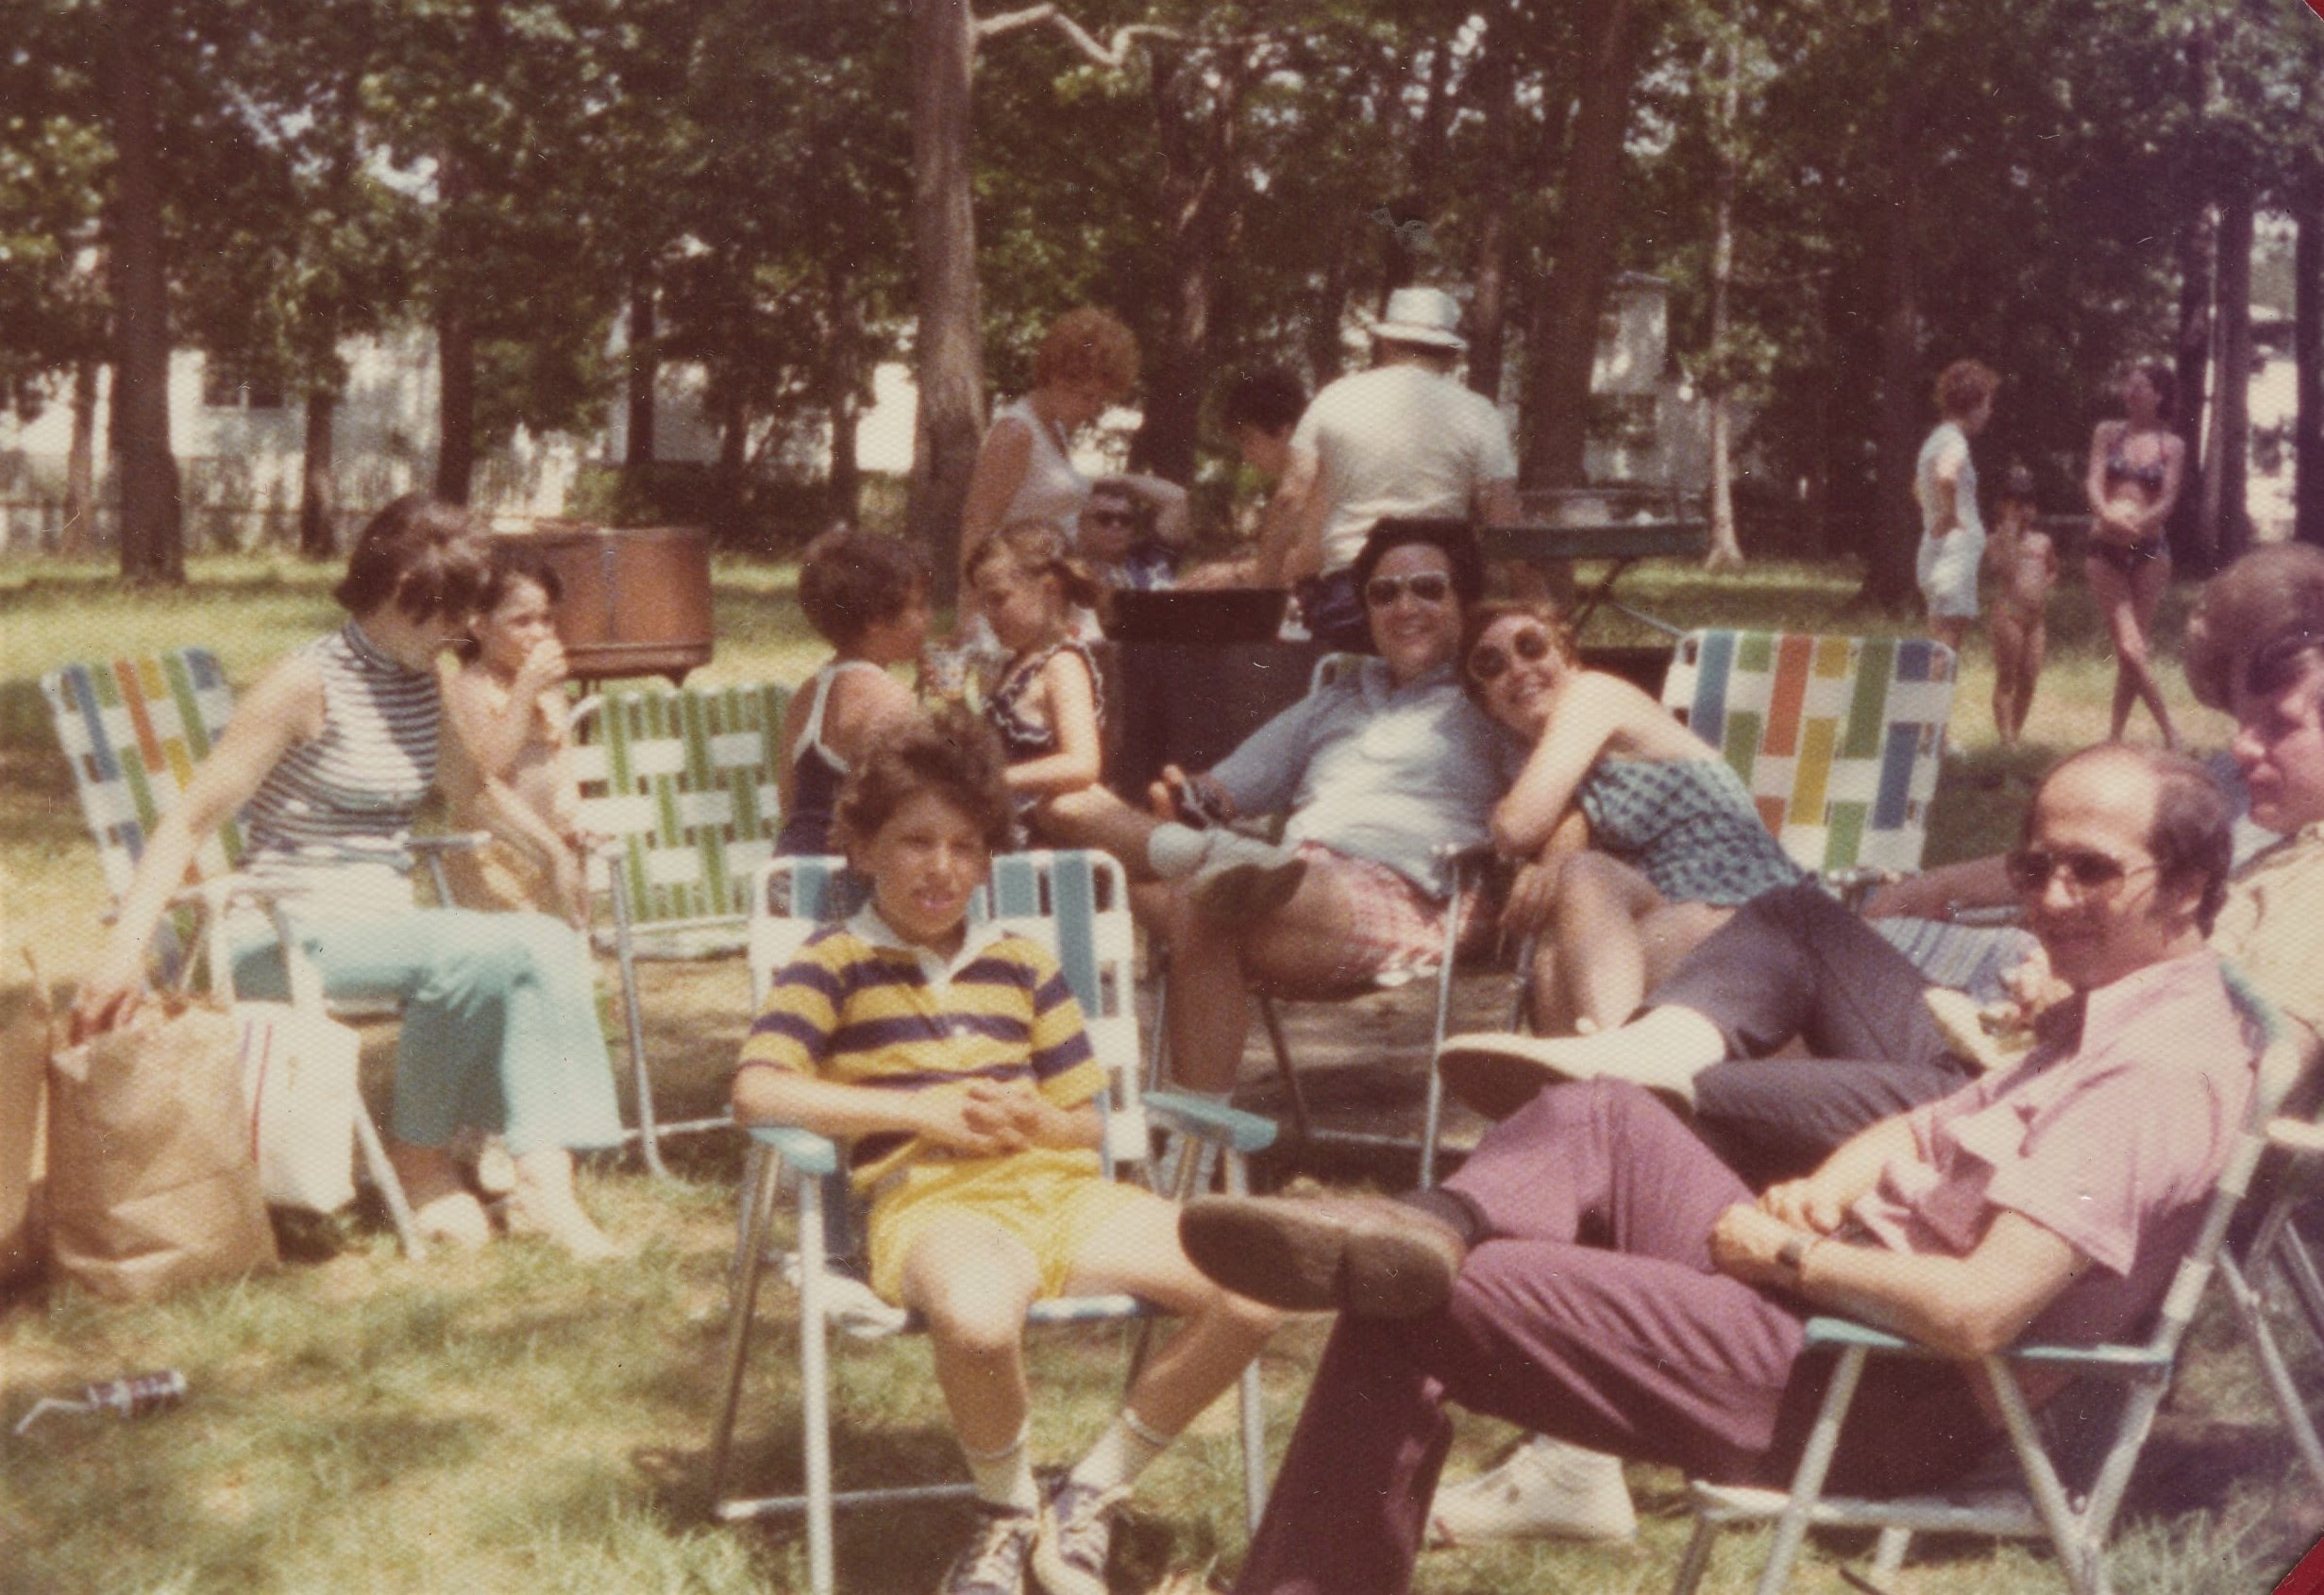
{"x": 240, "y": 448}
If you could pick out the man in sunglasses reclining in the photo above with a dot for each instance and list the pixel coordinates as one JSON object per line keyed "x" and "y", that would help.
{"x": 1374, "y": 772}
{"x": 1595, "y": 1272}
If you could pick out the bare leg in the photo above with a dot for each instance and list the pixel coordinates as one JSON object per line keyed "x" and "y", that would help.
{"x": 2029, "y": 668}
{"x": 1299, "y": 949}
{"x": 972, "y": 1282}
{"x": 1600, "y": 903}
{"x": 2130, "y": 604}
{"x": 1137, "y": 1251}
{"x": 1094, "y": 817}
{"x": 1950, "y": 629}
{"x": 2009, "y": 663}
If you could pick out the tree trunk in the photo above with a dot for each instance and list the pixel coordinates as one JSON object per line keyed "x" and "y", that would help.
{"x": 2197, "y": 254}
{"x": 1563, "y": 344}
{"x": 2308, "y": 368}
{"x": 949, "y": 362}
{"x": 152, "y": 527}
{"x": 1495, "y": 78}
{"x": 318, "y": 486}
{"x": 1407, "y": 237}
{"x": 1726, "y": 551}
{"x": 643, "y": 367}
{"x": 456, "y": 400}
{"x": 1896, "y": 524}
{"x": 2226, "y": 521}
{"x": 843, "y": 376}
{"x": 1198, "y": 114}
{"x": 77, "y": 538}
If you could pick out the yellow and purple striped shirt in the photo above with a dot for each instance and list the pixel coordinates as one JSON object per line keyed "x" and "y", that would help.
{"x": 860, "y": 1006}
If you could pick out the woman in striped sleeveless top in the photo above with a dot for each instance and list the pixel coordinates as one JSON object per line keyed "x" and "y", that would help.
{"x": 329, "y": 759}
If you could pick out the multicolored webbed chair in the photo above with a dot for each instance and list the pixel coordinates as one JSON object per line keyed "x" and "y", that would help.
{"x": 1839, "y": 739}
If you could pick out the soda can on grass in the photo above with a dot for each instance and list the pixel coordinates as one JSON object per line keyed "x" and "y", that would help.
{"x": 133, "y": 1397}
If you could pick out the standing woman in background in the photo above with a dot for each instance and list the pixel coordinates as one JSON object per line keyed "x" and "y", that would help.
{"x": 328, "y": 760}
{"x": 1952, "y": 548}
{"x": 2138, "y": 467}
{"x": 1025, "y": 471}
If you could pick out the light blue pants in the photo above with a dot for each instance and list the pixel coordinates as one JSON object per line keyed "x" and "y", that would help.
{"x": 499, "y": 1020}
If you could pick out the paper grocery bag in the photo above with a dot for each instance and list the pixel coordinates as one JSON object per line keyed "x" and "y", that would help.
{"x": 151, "y": 1181}
{"x": 23, "y": 1090}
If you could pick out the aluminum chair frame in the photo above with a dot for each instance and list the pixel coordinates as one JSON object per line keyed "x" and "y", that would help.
{"x": 2078, "y": 1532}
{"x": 134, "y": 729}
{"x": 1044, "y": 893}
{"x": 680, "y": 781}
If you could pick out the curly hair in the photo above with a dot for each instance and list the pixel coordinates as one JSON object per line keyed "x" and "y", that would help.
{"x": 1039, "y": 549}
{"x": 1269, "y": 398}
{"x": 2255, "y": 622}
{"x": 951, "y": 754}
{"x": 1087, "y": 346}
{"x": 1966, "y": 384}
{"x": 853, "y": 580}
{"x": 420, "y": 554}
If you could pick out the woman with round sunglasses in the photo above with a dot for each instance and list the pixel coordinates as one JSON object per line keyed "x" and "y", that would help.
{"x": 1640, "y": 841}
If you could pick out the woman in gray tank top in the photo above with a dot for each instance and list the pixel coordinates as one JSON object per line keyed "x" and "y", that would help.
{"x": 327, "y": 759}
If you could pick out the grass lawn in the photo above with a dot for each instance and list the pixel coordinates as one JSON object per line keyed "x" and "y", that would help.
{"x": 511, "y": 1420}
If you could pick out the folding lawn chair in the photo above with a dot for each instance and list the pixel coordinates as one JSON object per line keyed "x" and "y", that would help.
{"x": 1077, "y": 902}
{"x": 133, "y": 730}
{"x": 2298, "y": 1147}
{"x": 2077, "y": 1528}
{"x": 1465, "y": 869}
{"x": 1839, "y": 739}
{"x": 681, "y": 785}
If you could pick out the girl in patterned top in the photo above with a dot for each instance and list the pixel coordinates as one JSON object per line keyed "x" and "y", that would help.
{"x": 327, "y": 759}
{"x": 1639, "y": 839}
{"x": 1049, "y": 704}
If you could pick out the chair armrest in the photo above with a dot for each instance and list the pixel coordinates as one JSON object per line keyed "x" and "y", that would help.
{"x": 1245, "y": 1132}
{"x": 1841, "y": 1333}
{"x": 2297, "y": 1137}
{"x": 449, "y": 841}
{"x": 803, "y": 1150}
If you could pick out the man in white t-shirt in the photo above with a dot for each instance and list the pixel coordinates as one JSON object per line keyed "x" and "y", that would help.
{"x": 1403, "y": 440}
{"x": 1952, "y": 545}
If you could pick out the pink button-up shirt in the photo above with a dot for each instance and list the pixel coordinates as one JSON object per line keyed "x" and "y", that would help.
{"x": 2109, "y": 1135}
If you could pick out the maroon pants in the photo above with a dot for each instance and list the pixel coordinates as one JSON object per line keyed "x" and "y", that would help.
{"x": 1591, "y": 1310}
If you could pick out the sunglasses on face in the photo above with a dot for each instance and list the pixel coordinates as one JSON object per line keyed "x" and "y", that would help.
{"x": 2031, "y": 869}
{"x": 1429, "y": 587}
{"x": 1110, "y": 517}
{"x": 1488, "y": 663}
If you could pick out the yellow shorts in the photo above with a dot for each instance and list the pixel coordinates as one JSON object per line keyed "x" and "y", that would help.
{"x": 1051, "y": 1200}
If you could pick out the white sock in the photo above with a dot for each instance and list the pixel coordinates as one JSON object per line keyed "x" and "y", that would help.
{"x": 1177, "y": 851}
{"x": 1004, "y": 1477}
{"x": 1121, "y": 1454}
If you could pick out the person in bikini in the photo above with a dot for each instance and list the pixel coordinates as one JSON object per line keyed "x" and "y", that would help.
{"x": 2023, "y": 563}
{"x": 2138, "y": 467}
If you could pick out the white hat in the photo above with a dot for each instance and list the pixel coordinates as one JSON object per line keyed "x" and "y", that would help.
{"x": 1429, "y": 316}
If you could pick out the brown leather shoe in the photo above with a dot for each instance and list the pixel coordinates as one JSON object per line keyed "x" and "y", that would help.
{"x": 1366, "y": 1255}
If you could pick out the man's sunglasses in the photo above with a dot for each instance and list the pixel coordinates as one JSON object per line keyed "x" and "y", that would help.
{"x": 1429, "y": 587}
{"x": 1110, "y": 517}
{"x": 1488, "y": 661}
{"x": 2031, "y": 869}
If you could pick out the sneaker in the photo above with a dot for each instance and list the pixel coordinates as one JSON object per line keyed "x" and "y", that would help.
{"x": 1546, "y": 1490}
{"x": 1244, "y": 879}
{"x": 993, "y": 1561}
{"x": 1077, "y": 1535}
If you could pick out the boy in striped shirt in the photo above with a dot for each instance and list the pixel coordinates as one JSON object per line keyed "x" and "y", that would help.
{"x": 956, "y": 1060}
